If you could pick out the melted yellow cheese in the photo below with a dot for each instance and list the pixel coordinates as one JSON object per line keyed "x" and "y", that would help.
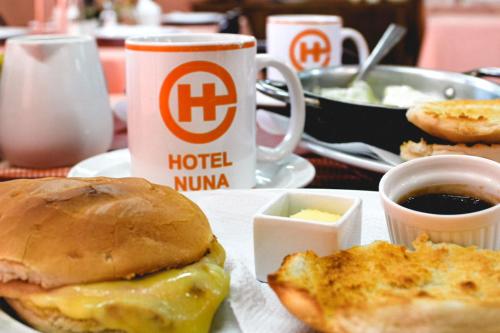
{"x": 176, "y": 300}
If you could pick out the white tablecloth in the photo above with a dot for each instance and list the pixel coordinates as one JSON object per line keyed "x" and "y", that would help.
{"x": 252, "y": 306}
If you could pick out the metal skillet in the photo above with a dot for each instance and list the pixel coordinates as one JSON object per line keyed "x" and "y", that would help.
{"x": 383, "y": 126}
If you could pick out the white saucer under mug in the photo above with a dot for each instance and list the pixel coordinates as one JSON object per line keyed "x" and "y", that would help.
{"x": 293, "y": 172}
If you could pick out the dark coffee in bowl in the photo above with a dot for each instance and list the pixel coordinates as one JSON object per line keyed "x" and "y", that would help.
{"x": 446, "y": 200}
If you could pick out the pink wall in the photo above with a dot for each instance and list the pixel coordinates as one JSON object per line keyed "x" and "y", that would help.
{"x": 18, "y": 12}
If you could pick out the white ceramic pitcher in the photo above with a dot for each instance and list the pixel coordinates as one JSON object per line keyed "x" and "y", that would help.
{"x": 54, "y": 106}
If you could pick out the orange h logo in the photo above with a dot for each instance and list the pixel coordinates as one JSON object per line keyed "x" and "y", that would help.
{"x": 316, "y": 51}
{"x": 321, "y": 47}
{"x": 209, "y": 101}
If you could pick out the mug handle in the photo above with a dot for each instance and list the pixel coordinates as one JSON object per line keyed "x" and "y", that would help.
{"x": 297, "y": 113}
{"x": 359, "y": 40}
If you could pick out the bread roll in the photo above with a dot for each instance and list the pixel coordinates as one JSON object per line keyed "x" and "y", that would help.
{"x": 57, "y": 232}
{"x": 459, "y": 121}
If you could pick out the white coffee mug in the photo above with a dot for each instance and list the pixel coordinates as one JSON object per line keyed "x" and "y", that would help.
{"x": 309, "y": 41}
{"x": 191, "y": 99}
{"x": 54, "y": 105}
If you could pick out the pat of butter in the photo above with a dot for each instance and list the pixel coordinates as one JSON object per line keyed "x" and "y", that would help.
{"x": 316, "y": 215}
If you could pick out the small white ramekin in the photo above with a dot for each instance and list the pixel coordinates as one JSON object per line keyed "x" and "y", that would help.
{"x": 276, "y": 235}
{"x": 480, "y": 175}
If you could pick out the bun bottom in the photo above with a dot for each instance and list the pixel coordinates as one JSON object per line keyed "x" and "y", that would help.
{"x": 209, "y": 281}
{"x": 54, "y": 321}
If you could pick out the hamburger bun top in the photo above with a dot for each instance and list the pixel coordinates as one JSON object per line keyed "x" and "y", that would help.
{"x": 60, "y": 231}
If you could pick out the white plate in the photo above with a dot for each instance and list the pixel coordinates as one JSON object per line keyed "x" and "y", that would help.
{"x": 276, "y": 124}
{"x": 7, "y": 32}
{"x": 266, "y": 101}
{"x": 230, "y": 215}
{"x": 122, "y": 32}
{"x": 293, "y": 172}
{"x": 194, "y": 18}
{"x": 357, "y": 161}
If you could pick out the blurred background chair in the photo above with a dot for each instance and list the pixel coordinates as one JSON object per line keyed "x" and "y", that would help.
{"x": 370, "y": 18}
{"x": 231, "y": 22}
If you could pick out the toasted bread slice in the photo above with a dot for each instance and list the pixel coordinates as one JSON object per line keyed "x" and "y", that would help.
{"x": 438, "y": 288}
{"x": 410, "y": 150}
{"x": 459, "y": 121}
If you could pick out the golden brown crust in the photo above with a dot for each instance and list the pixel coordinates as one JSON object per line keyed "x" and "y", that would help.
{"x": 383, "y": 288}
{"x": 300, "y": 303}
{"x": 68, "y": 231}
{"x": 459, "y": 121}
{"x": 410, "y": 150}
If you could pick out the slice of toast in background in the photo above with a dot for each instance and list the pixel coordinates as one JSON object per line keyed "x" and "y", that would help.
{"x": 459, "y": 121}
{"x": 410, "y": 150}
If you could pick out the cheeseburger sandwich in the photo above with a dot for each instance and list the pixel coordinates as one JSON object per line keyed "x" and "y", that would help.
{"x": 470, "y": 127}
{"x": 108, "y": 255}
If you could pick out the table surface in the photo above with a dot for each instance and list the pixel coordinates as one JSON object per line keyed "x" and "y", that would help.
{"x": 443, "y": 48}
{"x": 230, "y": 214}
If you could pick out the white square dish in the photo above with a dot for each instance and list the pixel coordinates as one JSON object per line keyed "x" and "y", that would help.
{"x": 276, "y": 235}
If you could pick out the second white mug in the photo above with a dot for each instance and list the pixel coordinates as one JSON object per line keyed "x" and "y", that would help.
{"x": 309, "y": 41}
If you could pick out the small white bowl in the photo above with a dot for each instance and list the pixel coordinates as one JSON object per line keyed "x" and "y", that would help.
{"x": 479, "y": 175}
{"x": 276, "y": 235}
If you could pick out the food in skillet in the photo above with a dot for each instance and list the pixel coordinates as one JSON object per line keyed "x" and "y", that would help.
{"x": 402, "y": 96}
{"x": 438, "y": 288}
{"x": 472, "y": 127}
{"x": 108, "y": 255}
